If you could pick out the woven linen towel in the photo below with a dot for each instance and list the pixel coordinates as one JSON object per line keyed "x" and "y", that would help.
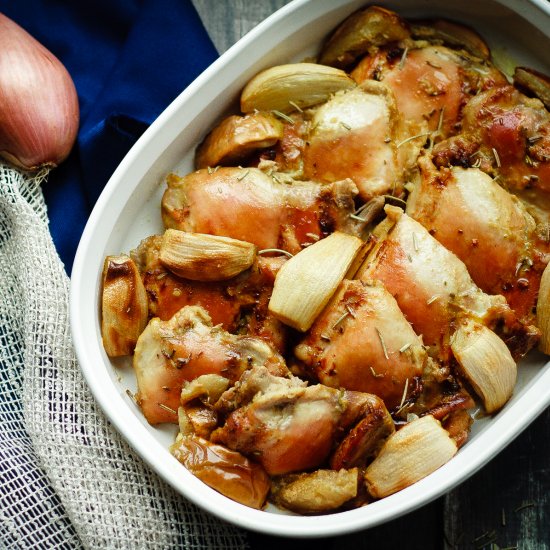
{"x": 67, "y": 478}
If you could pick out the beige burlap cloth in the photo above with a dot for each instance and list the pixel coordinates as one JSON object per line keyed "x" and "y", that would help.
{"x": 67, "y": 478}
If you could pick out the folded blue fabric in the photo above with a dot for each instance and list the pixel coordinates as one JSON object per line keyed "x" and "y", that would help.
{"x": 129, "y": 59}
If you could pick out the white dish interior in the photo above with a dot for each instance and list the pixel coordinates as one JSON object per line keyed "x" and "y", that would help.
{"x": 129, "y": 210}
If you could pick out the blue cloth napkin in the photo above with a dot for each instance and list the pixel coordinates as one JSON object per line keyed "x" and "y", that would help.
{"x": 129, "y": 59}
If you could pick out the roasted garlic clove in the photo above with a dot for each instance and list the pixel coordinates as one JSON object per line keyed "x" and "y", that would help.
{"x": 286, "y": 88}
{"x": 410, "y": 454}
{"x": 533, "y": 83}
{"x": 486, "y": 362}
{"x": 236, "y": 137}
{"x": 318, "y": 492}
{"x": 306, "y": 282}
{"x": 453, "y": 35}
{"x": 201, "y": 257}
{"x": 124, "y": 306}
{"x": 207, "y": 387}
{"x": 543, "y": 311}
{"x": 373, "y": 26}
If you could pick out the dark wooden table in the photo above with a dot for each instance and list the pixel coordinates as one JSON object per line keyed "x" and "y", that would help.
{"x": 505, "y": 505}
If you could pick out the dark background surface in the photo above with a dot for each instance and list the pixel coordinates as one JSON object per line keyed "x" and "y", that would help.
{"x": 505, "y": 505}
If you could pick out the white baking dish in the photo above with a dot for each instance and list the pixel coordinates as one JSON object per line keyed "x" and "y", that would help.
{"x": 128, "y": 210}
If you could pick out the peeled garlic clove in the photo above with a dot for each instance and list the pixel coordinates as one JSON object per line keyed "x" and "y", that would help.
{"x": 452, "y": 34}
{"x": 38, "y": 102}
{"x": 124, "y": 306}
{"x": 285, "y": 88}
{"x": 200, "y": 257}
{"x": 208, "y": 387}
{"x": 533, "y": 83}
{"x": 236, "y": 137}
{"x": 317, "y": 492}
{"x": 543, "y": 311}
{"x": 486, "y": 362}
{"x": 373, "y": 26}
{"x": 410, "y": 454}
{"x": 306, "y": 282}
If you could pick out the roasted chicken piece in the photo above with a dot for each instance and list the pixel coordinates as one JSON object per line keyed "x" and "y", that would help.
{"x": 431, "y": 84}
{"x": 168, "y": 353}
{"x": 290, "y": 427}
{"x": 432, "y": 67}
{"x": 250, "y": 205}
{"x": 433, "y": 287}
{"x": 507, "y": 135}
{"x": 239, "y": 304}
{"x": 354, "y": 135}
{"x": 489, "y": 229}
{"x": 362, "y": 342}
{"x": 168, "y": 293}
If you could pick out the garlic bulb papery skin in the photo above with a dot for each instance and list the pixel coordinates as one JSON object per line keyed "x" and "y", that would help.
{"x": 39, "y": 112}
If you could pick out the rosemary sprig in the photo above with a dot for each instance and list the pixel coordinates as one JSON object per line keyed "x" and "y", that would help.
{"x": 403, "y": 58}
{"x": 351, "y": 311}
{"x": 415, "y": 242}
{"x": 275, "y": 251}
{"x": 240, "y": 178}
{"x": 424, "y": 134}
{"x": 404, "y": 396}
{"x": 383, "y": 344}
{"x": 166, "y": 408}
{"x": 340, "y": 319}
{"x": 376, "y": 374}
{"x": 497, "y": 158}
{"x": 283, "y": 116}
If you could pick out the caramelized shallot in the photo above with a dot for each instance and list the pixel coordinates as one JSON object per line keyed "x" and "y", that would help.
{"x": 229, "y": 472}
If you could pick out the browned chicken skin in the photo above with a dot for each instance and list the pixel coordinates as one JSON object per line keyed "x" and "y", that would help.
{"x": 489, "y": 229}
{"x": 354, "y": 135}
{"x": 431, "y": 83}
{"x": 168, "y": 353}
{"x": 507, "y": 135}
{"x": 363, "y": 342}
{"x": 238, "y": 305}
{"x": 433, "y": 287}
{"x": 253, "y": 206}
{"x": 289, "y": 426}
